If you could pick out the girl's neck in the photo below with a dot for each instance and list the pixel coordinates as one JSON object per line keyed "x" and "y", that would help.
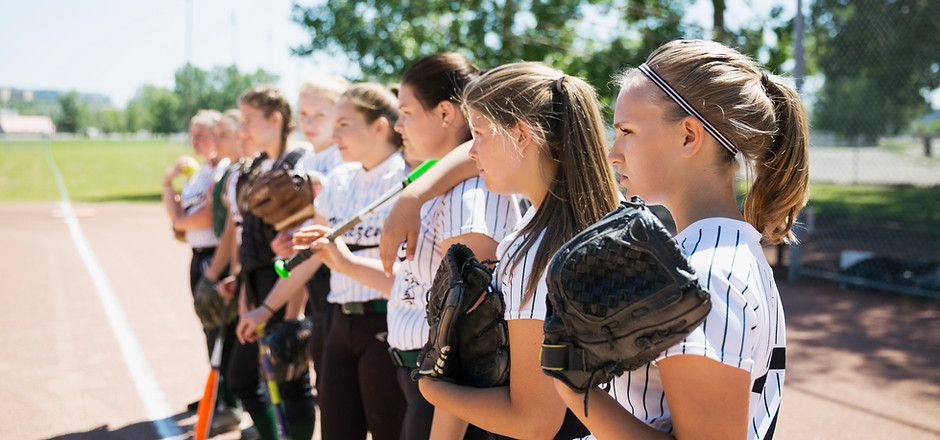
{"x": 381, "y": 154}
{"x": 536, "y": 188}
{"x": 321, "y": 147}
{"x": 704, "y": 201}
{"x": 274, "y": 150}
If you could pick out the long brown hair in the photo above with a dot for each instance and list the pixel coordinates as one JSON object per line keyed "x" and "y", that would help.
{"x": 567, "y": 125}
{"x": 757, "y": 111}
{"x": 270, "y": 99}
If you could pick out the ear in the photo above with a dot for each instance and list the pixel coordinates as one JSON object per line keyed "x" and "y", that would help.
{"x": 448, "y": 112}
{"x": 277, "y": 118}
{"x": 694, "y": 133}
{"x": 522, "y": 135}
{"x": 381, "y": 126}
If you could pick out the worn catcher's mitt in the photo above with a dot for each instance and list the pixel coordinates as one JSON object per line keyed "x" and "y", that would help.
{"x": 289, "y": 342}
{"x": 468, "y": 340}
{"x": 213, "y": 311}
{"x": 621, "y": 293}
{"x": 282, "y": 198}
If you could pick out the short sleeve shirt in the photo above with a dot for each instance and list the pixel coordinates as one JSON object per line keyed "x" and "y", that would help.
{"x": 466, "y": 208}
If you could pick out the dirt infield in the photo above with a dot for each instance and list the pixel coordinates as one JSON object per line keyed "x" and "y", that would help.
{"x": 860, "y": 364}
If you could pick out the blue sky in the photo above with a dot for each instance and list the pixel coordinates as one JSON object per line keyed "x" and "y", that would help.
{"x": 113, "y": 47}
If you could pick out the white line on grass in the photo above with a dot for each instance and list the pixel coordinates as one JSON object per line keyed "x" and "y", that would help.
{"x": 158, "y": 410}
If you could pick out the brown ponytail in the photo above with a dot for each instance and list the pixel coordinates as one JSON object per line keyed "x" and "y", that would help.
{"x": 781, "y": 185}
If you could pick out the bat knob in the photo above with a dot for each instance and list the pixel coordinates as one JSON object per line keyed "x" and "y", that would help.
{"x": 281, "y": 269}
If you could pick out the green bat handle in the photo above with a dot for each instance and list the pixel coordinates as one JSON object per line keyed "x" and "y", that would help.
{"x": 283, "y": 267}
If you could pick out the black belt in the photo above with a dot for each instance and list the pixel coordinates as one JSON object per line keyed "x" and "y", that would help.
{"x": 361, "y": 308}
{"x": 404, "y": 358}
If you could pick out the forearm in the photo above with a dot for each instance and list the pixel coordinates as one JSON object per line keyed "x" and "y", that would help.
{"x": 367, "y": 271}
{"x": 493, "y": 409}
{"x": 295, "y": 306}
{"x": 446, "y": 426}
{"x": 455, "y": 167}
{"x": 606, "y": 418}
{"x": 171, "y": 201}
{"x": 198, "y": 219}
{"x": 287, "y": 288}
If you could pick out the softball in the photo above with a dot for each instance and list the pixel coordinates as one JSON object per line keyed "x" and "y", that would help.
{"x": 190, "y": 167}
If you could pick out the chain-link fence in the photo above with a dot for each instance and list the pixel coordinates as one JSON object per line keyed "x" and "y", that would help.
{"x": 873, "y": 219}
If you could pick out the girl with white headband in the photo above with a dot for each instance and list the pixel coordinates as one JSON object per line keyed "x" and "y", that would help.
{"x": 682, "y": 119}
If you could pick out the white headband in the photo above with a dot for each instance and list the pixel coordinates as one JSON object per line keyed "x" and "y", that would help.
{"x": 659, "y": 81}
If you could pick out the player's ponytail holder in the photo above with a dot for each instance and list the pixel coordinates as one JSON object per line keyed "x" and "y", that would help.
{"x": 558, "y": 84}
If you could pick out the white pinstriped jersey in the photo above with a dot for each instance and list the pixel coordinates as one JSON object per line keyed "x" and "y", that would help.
{"x": 745, "y": 324}
{"x": 350, "y": 189}
{"x": 513, "y": 284}
{"x": 195, "y": 195}
{"x": 467, "y": 208}
{"x": 322, "y": 162}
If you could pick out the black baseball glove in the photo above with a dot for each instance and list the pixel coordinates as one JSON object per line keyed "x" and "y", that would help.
{"x": 621, "y": 292}
{"x": 468, "y": 340}
{"x": 213, "y": 311}
{"x": 289, "y": 343}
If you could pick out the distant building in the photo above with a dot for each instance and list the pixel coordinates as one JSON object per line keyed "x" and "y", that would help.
{"x": 21, "y": 124}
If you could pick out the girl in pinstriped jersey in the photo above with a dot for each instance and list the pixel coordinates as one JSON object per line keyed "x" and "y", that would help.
{"x": 539, "y": 133}
{"x": 431, "y": 125}
{"x": 359, "y": 392}
{"x": 682, "y": 118}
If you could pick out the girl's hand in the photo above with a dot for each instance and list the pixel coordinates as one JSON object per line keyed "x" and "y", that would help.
{"x": 334, "y": 254}
{"x": 282, "y": 245}
{"x": 249, "y": 324}
{"x": 402, "y": 224}
{"x": 227, "y": 287}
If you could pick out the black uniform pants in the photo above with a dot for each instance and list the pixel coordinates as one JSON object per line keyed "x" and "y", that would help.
{"x": 360, "y": 391}
{"x": 246, "y": 377}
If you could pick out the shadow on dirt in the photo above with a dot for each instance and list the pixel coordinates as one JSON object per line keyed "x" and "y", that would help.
{"x": 137, "y": 431}
{"x": 897, "y": 336}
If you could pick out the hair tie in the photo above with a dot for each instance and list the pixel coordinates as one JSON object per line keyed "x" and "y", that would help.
{"x": 558, "y": 83}
{"x": 662, "y": 84}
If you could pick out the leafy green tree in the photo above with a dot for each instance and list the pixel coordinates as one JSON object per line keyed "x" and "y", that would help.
{"x": 593, "y": 39}
{"x": 74, "y": 113}
{"x": 158, "y": 110}
{"x": 880, "y": 59}
{"x": 383, "y": 38}
{"x": 217, "y": 89}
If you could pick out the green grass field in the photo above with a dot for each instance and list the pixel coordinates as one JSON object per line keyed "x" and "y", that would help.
{"x": 93, "y": 170}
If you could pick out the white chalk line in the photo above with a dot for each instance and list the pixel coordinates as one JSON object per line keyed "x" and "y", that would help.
{"x": 148, "y": 389}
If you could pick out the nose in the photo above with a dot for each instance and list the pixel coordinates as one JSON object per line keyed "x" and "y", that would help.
{"x": 473, "y": 150}
{"x": 615, "y": 157}
{"x": 400, "y": 125}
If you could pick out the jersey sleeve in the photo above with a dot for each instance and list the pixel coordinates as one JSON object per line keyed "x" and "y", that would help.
{"x": 728, "y": 334}
{"x": 470, "y": 208}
